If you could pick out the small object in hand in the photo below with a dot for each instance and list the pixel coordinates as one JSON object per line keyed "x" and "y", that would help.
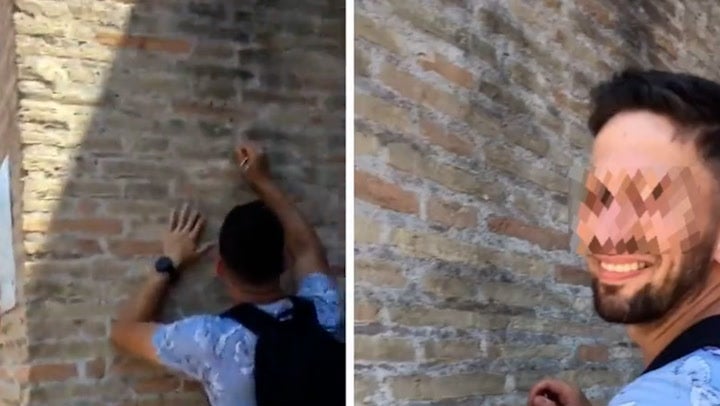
{"x": 551, "y": 396}
{"x": 243, "y": 164}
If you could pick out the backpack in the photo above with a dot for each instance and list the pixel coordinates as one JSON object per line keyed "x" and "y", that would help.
{"x": 297, "y": 362}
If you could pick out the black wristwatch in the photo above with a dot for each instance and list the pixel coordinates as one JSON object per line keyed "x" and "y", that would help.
{"x": 164, "y": 265}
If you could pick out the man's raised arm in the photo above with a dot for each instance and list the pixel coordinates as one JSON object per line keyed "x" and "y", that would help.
{"x": 301, "y": 240}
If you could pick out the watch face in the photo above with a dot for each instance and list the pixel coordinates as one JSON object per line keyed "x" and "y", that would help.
{"x": 164, "y": 265}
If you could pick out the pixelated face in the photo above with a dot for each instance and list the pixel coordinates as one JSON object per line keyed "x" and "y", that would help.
{"x": 646, "y": 222}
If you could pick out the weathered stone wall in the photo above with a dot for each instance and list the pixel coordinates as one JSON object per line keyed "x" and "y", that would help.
{"x": 8, "y": 78}
{"x": 128, "y": 107}
{"x": 468, "y": 116}
{"x": 13, "y": 346}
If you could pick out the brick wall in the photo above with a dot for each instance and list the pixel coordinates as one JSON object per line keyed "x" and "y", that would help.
{"x": 13, "y": 346}
{"x": 8, "y": 93}
{"x": 468, "y": 118}
{"x": 127, "y": 107}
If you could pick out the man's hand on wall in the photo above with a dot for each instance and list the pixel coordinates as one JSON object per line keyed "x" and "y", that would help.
{"x": 554, "y": 392}
{"x": 180, "y": 242}
{"x": 253, "y": 163}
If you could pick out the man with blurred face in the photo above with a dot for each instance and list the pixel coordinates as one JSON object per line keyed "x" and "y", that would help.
{"x": 270, "y": 346}
{"x": 648, "y": 228}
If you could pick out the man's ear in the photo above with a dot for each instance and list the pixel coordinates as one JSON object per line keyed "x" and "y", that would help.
{"x": 288, "y": 283}
{"x": 220, "y": 268}
{"x": 716, "y": 251}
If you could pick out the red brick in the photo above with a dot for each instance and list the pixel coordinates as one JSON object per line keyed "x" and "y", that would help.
{"x": 451, "y": 214}
{"x": 65, "y": 245}
{"x": 374, "y": 190}
{"x": 157, "y": 385}
{"x": 266, "y": 97}
{"x": 97, "y": 226}
{"x": 545, "y": 238}
{"x": 128, "y": 248}
{"x": 417, "y": 90}
{"x": 449, "y": 141}
{"x": 562, "y": 100}
{"x": 572, "y": 275}
{"x": 366, "y": 312}
{"x": 552, "y": 4}
{"x": 668, "y": 45}
{"x": 213, "y": 50}
{"x": 442, "y": 66}
{"x": 95, "y": 369}
{"x": 87, "y": 207}
{"x": 51, "y": 372}
{"x": 19, "y": 374}
{"x": 393, "y": 117}
{"x": 593, "y": 353}
{"x": 134, "y": 367}
{"x": 379, "y": 274}
{"x": 173, "y": 46}
{"x": 202, "y": 109}
{"x": 371, "y": 31}
{"x": 596, "y": 11}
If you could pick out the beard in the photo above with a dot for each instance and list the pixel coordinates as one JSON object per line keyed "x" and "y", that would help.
{"x": 652, "y": 303}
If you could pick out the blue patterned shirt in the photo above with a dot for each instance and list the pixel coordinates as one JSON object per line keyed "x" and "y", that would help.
{"x": 693, "y": 380}
{"x": 220, "y": 353}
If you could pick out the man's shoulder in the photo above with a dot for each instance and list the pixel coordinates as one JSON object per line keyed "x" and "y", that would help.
{"x": 318, "y": 284}
{"x": 203, "y": 329}
{"x": 320, "y": 289}
{"x": 325, "y": 294}
{"x": 205, "y": 321}
{"x": 691, "y": 380}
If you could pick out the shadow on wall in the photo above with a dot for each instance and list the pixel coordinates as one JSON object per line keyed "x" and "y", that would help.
{"x": 128, "y": 108}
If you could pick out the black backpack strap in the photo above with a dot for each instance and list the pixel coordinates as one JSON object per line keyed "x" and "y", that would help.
{"x": 258, "y": 321}
{"x": 251, "y": 317}
{"x": 297, "y": 362}
{"x": 304, "y": 310}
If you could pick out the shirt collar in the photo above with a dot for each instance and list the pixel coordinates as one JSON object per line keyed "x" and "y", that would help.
{"x": 705, "y": 333}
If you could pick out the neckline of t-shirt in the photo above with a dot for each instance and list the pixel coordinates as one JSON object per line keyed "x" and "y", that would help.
{"x": 705, "y": 333}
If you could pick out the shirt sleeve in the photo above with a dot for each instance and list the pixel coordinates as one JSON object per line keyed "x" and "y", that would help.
{"x": 187, "y": 345}
{"x": 323, "y": 291}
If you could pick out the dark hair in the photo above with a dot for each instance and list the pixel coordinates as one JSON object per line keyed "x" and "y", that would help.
{"x": 251, "y": 243}
{"x": 693, "y": 103}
